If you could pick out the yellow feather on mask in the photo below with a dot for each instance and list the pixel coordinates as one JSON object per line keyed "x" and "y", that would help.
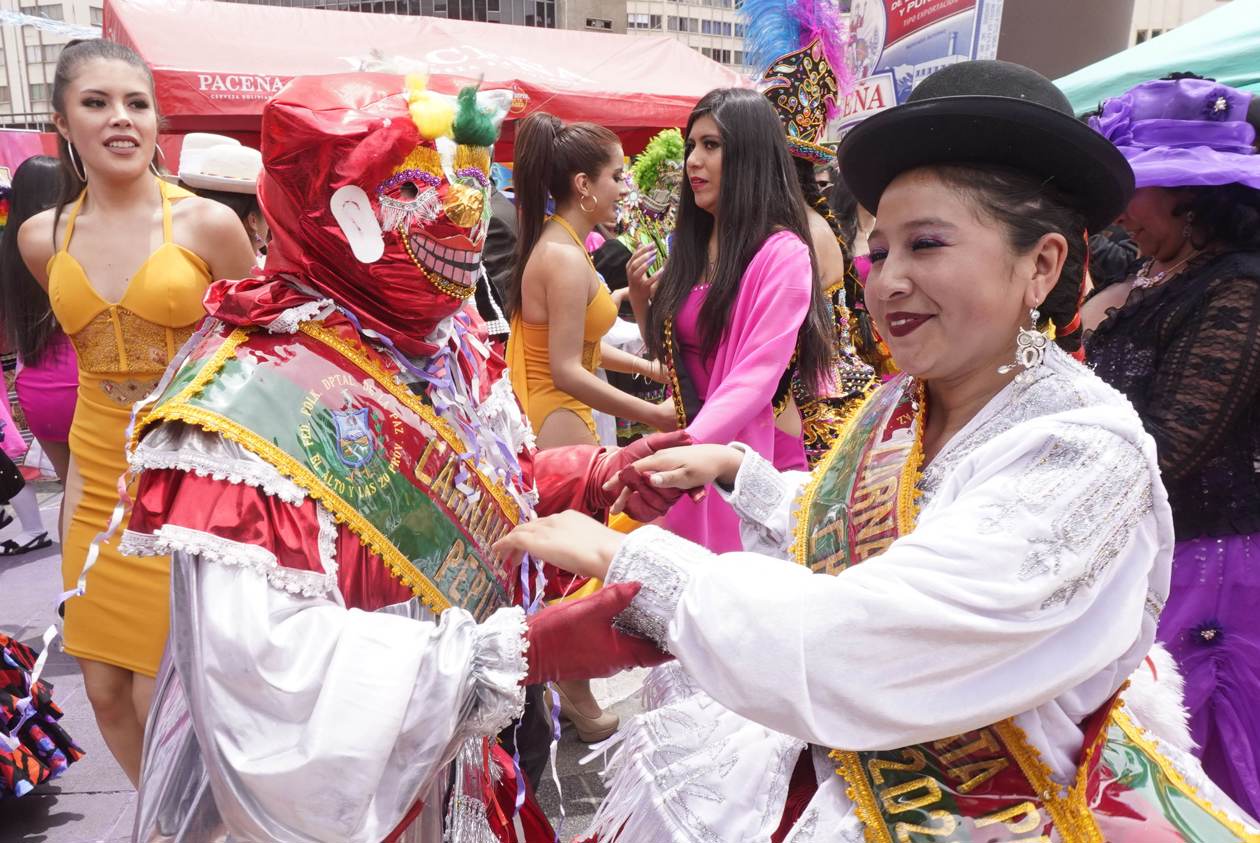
{"x": 432, "y": 113}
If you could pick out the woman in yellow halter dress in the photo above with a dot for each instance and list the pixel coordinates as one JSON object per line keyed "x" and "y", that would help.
{"x": 123, "y": 350}
{"x": 128, "y": 303}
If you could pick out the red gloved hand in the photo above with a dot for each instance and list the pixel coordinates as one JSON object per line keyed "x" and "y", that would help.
{"x": 647, "y": 502}
{"x": 576, "y": 639}
{"x": 574, "y": 477}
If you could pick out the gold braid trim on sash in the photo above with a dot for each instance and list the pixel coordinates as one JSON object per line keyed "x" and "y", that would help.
{"x": 861, "y": 795}
{"x": 209, "y": 369}
{"x": 906, "y": 514}
{"x": 341, "y": 511}
{"x": 799, "y": 551}
{"x": 1072, "y": 818}
{"x": 176, "y": 409}
{"x": 412, "y": 401}
{"x": 1136, "y": 734}
{"x": 680, "y": 410}
{"x": 908, "y": 491}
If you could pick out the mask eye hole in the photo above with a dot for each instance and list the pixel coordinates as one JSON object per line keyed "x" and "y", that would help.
{"x": 408, "y": 191}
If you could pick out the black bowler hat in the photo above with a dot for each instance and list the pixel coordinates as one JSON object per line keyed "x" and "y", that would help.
{"x": 989, "y": 112}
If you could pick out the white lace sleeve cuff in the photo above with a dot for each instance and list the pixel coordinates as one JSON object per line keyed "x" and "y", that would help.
{"x": 759, "y": 488}
{"x": 498, "y": 671}
{"x": 662, "y": 563}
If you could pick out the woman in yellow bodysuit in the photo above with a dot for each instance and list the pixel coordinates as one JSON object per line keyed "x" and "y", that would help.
{"x": 126, "y": 259}
{"x": 560, "y": 310}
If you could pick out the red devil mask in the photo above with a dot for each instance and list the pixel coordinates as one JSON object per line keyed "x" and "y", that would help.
{"x": 377, "y": 192}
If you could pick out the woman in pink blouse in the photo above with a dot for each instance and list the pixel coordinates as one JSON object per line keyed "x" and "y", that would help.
{"x": 739, "y": 301}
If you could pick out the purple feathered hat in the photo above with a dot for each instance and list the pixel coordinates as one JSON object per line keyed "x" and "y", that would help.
{"x": 1183, "y": 133}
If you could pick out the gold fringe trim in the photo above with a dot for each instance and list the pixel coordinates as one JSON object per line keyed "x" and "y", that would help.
{"x": 861, "y": 795}
{"x": 194, "y": 387}
{"x": 1078, "y": 795}
{"x": 1073, "y": 820}
{"x": 342, "y": 512}
{"x": 177, "y": 409}
{"x": 799, "y": 550}
{"x": 1136, "y": 734}
{"x": 412, "y": 401}
{"x": 800, "y": 507}
{"x": 908, "y": 493}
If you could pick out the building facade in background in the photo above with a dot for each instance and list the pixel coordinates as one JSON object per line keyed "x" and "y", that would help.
{"x": 1152, "y": 18}
{"x": 711, "y": 27}
{"x": 29, "y": 53}
{"x": 590, "y": 15}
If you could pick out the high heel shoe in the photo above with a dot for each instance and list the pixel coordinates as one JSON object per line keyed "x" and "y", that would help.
{"x": 589, "y": 729}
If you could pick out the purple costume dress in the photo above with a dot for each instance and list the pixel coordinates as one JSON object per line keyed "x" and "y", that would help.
{"x": 1187, "y": 354}
{"x": 737, "y": 382}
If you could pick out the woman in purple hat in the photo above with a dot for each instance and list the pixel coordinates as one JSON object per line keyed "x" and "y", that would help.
{"x": 1184, "y": 346}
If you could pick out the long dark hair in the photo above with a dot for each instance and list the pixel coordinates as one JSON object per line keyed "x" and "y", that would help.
{"x": 73, "y": 57}
{"x": 1027, "y": 209}
{"x": 759, "y": 196}
{"x": 844, "y": 205}
{"x": 548, "y": 155}
{"x": 27, "y": 315}
{"x": 1228, "y": 214}
{"x": 816, "y": 199}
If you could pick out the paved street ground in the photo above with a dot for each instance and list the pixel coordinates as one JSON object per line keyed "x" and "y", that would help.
{"x": 94, "y": 803}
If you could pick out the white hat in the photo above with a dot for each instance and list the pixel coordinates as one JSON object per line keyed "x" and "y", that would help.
{"x": 215, "y": 162}
{"x": 204, "y": 140}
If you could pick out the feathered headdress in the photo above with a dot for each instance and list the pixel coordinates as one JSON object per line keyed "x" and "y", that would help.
{"x": 666, "y": 149}
{"x": 800, "y": 46}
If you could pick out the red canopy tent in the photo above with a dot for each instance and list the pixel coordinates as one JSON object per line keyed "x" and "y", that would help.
{"x": 215, "y": 64}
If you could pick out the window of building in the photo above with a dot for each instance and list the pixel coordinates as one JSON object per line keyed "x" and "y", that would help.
{"x": 1142, "y": 36}
{"x": 671, "y": 23}
{"x": 36, "y": 53}
{"x": 643, "y": 21}
{"x": 707, "y": 27}
{"x": 739, "y": 57}
{"x": 439, "y": 8}
{"x": 51, "y": 11}
{"x": 739, "y": 30}
{"x": 4, "y": 95}
{"x": 41, "y": 92}
{"x": 96, "y": 16}
{"x": 726, "y": 27}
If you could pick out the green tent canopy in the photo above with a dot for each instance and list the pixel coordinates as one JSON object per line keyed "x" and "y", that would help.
{"x": 1223, "y": 45}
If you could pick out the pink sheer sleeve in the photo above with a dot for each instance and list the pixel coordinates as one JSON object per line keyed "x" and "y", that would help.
{"x": 772, "y": 303}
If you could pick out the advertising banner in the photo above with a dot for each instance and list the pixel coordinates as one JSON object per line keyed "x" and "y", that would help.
{"x": 898, "y": 43}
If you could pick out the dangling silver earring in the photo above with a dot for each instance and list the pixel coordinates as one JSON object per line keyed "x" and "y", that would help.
{"x": 74, "y": 163}
{"x": 1030, "y": 350}
{"x": 1187, "y": 230}
{"x": 153, "y": 167}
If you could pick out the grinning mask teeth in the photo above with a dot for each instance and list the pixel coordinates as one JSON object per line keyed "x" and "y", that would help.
{"x": 378, "y": 191}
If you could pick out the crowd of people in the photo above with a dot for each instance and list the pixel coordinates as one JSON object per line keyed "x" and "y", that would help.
{"x": 924, "y": 528}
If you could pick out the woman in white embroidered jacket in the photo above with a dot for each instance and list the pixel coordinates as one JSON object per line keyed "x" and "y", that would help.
{"x": 1012, "y": 532}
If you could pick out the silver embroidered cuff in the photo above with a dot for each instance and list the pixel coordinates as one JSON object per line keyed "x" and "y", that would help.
{"x": 759, "y": 488}
{"x": 498, "y": 670}
{"x": 661, "y": 562}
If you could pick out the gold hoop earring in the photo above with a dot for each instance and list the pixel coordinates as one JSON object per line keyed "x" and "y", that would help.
{"x": 594, "y": 203}
{"x": 74, "y": 164}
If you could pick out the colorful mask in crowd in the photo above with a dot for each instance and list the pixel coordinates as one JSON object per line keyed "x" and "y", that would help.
{"x": 389, "y": 217}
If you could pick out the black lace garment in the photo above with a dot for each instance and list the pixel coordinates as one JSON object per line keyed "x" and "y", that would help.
{"x": 1187, "y": 355}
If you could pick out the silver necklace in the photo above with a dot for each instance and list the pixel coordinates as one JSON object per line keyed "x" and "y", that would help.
{"x": 1143, "y": 280}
